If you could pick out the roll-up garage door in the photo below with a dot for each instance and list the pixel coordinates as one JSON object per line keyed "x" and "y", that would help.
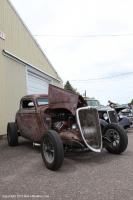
{"x": 37, "y": 84}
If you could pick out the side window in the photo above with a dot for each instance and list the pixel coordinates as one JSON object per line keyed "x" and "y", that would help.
{"x": 27, "y": 104}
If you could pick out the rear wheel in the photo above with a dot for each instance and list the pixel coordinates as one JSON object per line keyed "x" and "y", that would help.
{"x": 115, "y": 139}
{"x": 52, "y": 150}
{"x": 12, "y": 135}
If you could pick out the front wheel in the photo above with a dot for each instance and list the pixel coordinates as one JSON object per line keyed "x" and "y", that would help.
{"x": 52, "y": 150}
{"x": 115, "y": 139}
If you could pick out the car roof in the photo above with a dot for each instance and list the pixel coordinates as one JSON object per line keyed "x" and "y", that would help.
{"x": 34, "y": 96}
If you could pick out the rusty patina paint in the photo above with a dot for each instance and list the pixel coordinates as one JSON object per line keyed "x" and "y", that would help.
{"x": 59, "y": 98}
{"x": 33, "y": 122}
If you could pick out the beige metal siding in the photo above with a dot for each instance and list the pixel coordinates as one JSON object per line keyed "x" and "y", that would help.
{"x": 1, "y": 81}
{"x": 13, "y": 87}
{"x": 13, "y": 74}
{"x": 20, "y": 42}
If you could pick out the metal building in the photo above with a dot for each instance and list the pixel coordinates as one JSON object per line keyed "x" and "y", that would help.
{"x": 24, "y": 68}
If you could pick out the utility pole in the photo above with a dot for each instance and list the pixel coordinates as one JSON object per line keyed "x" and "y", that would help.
{"x": 85, "y": 94}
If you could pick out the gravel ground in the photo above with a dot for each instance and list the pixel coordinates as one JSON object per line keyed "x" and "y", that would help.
{"x": 84, "y": 176}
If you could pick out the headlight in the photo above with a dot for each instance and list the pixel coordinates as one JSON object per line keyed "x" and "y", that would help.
{"x": 121, "y": 116}
{"x": 74, "y": 126}
{"x": 105, "y": 116}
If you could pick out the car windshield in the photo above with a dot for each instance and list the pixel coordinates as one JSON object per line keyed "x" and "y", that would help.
{"x": 93, "y": 103}
{"x": 42, "y": 101}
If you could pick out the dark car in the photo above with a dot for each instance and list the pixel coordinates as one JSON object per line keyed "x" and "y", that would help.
{"x": 107, "y": 115}
{"x": 110, "y": 115}
{"x": 62, "y": 121}
{"x": 126, "y": 112}
{"x": 125, "y": 115}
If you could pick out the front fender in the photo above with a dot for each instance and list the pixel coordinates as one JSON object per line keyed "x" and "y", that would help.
{"x": 103, "y": 124}
{"x": 124, "y": 122}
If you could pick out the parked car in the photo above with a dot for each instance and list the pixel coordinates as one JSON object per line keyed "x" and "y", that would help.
{"x": 125, "y": 115}
{"x": 108, "y": 114}
{"x": 62, "y": 121}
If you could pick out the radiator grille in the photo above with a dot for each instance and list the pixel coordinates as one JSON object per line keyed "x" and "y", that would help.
{"x": 89, "y": 123}
{"x": 113, "y": 116}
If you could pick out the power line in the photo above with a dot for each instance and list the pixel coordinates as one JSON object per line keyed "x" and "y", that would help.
{"x": 106, "y": 77}
{"x": 84, "y": 36}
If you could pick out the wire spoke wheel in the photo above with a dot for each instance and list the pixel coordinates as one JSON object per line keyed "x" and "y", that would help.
{"x": 48, "y": 150}
{"x": 115, "y": 139}
{"x": 52, "y": 150}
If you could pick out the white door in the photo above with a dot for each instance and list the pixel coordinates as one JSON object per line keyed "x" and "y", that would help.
{"x": 37, "y": 84}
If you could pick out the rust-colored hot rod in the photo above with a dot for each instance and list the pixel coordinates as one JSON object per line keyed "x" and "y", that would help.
{"x": 61, "y": 121}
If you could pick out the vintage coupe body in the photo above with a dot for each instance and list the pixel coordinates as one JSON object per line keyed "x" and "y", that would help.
{"x": 61, "y": 121}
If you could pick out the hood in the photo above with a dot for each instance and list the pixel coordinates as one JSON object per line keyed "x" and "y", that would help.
{"x": 60, "y": 98}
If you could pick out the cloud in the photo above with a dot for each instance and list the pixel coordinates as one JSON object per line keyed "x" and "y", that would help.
{"x": 83, "y": 58}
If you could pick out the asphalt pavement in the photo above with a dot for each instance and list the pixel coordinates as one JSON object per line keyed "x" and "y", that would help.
{"x": 84, "y": 176}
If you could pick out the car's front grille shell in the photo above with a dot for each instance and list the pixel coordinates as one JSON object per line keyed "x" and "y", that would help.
{"x": 112, "y": 116}
{"x": 88, "y": 122}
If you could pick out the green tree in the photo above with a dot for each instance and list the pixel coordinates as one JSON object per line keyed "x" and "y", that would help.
{"x": 131, "y": 102}
{"x": 70, "y": 88}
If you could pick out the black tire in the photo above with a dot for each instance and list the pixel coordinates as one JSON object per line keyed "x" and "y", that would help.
{"x": 52, "y": 150}
{"x": 115, "y": 139}
{"x": 12, "y": 135}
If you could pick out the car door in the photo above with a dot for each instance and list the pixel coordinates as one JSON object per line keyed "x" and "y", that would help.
{"x": 27, "y": 120}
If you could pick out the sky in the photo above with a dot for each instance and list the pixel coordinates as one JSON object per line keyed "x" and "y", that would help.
{"x": 89, "y": 43}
